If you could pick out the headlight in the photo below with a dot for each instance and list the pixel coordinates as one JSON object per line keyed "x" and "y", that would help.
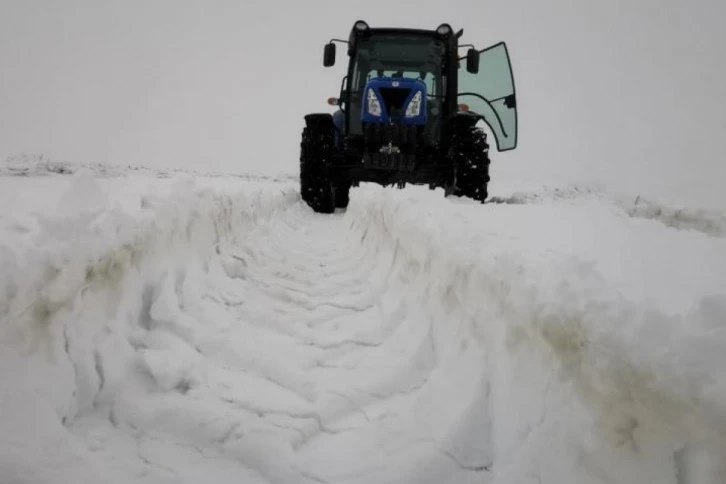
{"x": 374, "y": 106}
{"x": 444, "y": 29}
{"x": 414, "y": 106}
{"x": 360, "y": 26}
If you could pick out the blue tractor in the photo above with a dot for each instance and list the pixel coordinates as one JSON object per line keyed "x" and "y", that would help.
{"x": 409, "y": 112}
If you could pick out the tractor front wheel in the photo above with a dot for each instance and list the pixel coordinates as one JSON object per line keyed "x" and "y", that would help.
{"x": 316, "y": 153}
{"x": 470, "y": 157}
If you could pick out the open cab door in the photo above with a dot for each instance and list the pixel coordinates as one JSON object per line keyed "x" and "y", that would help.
{"x": 491, "y": 94}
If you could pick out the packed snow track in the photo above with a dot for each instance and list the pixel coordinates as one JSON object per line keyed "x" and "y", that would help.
{"x": 181, "y": 330}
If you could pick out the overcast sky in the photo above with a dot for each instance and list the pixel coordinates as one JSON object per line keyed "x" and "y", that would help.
{"x": 626, "y": 91}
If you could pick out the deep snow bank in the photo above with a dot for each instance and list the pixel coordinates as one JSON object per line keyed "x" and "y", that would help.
{"x": 709, "y": 221}
{"x": 27, "y": 165}
{"x": 170, "y": 330}
{"x": 603, "y": 363}
{"x": 75, "y": 283}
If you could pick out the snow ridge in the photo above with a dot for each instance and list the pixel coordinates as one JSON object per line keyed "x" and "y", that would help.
{"x": 27, "y": 165}
{"x": 72, "y": 285}
{"x": 202, "y": 329}
{"x": 565, "y": 353}
{"x": 710, "y": 222}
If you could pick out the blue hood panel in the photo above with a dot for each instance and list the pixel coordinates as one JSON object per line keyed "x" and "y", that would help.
{"x": 388, "y": 84}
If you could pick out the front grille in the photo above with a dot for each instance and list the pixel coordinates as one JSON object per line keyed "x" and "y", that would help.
{"x": 391, "y": 146}
{"x": 394, "y": 99}
{"x": 391, "y": 162}
{"x": 405, "y": 137}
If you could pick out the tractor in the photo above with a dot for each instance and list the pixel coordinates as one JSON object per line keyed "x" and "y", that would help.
{"x": 409, "y": 111}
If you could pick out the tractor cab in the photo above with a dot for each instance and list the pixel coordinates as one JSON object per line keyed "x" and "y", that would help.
{"x": 395, "y": 78}
{"x": 384, "y": 63}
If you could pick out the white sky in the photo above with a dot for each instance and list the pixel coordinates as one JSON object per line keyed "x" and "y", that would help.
{"x": 628, "y": 92}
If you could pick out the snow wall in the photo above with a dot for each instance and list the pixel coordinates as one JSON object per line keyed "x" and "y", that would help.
{"x": 557, "y": 378}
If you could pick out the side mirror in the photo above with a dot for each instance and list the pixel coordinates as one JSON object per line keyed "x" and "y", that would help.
{"x": 329, "y": 55}
{"x": 472, "y": 61}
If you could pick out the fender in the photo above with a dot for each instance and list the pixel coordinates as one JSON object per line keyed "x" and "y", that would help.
{"x": 319, "y": 119}
{"x": 467, "y": 118}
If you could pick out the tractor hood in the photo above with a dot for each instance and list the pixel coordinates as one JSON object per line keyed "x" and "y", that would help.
{"x": 394, "y": 100}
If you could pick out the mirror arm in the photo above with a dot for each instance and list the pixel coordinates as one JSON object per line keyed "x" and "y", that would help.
{"x": 465, "y": 45}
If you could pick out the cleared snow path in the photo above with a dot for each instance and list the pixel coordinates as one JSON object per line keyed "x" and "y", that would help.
{"x": 298, "y": 355}
{"x": 162, "y": 331}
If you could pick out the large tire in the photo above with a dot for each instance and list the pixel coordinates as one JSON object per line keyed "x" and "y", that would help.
{"x": 470, "y": 158}
{"x": 316, "y": 150}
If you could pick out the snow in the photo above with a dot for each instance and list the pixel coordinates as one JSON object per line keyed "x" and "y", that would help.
{"x": 180, "y": 327}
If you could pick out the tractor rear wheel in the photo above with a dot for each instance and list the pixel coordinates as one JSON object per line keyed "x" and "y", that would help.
{"x": 316, "y": 154}
{"x": 470, "y": 156}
